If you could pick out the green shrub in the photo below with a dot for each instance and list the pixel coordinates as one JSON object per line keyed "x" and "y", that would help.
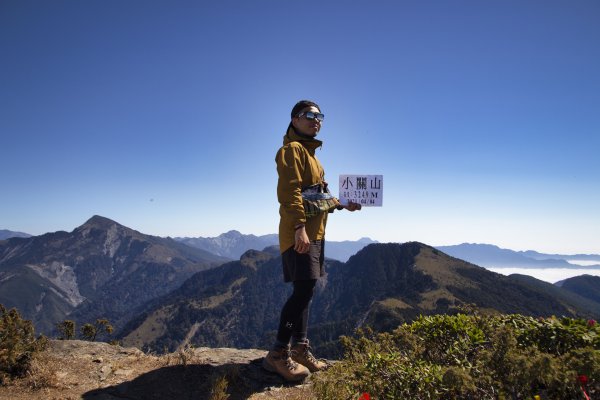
{"x": 18, "y": 344}
{"x": 90, "y": 331}
{"x": 66, "y": 329}
{"x": 468, "y": 357}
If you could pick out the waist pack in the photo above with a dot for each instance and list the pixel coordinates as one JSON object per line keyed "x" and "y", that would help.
{"x": 317, "y": 199}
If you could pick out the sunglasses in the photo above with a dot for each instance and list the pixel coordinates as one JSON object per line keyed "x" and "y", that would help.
{"x": 312, "y": 115}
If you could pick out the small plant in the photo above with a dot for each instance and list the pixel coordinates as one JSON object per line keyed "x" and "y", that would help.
{"x": 66, "y": 329}
{"x": 185, "y": 354}
{"x": 219, "y": 389}
{"x": 42, "y": 373}
{"x": 90, "y": 331}
{"x": 18, "y": 344}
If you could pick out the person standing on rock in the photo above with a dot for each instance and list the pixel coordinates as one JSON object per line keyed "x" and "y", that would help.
{"x": 301, "y": 238}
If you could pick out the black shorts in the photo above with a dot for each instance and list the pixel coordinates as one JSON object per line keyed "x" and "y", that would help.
{"x": 299, "y": 267}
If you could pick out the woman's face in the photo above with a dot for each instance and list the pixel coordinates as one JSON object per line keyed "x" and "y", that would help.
{"x": 307, "y": 126}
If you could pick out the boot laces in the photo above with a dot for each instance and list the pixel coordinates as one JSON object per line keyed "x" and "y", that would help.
{"x": 289, "y": 363}
{"x": 307, "y": 354}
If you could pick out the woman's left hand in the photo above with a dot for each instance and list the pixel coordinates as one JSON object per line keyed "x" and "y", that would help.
{"x": 352, "y": 206}
{"x": 302, "y": 243}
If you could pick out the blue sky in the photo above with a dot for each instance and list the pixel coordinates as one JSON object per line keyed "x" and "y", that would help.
{"x": 482, "y": 116}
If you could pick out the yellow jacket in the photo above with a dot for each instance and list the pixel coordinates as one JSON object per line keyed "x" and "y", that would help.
{"x": 297, "y": 167}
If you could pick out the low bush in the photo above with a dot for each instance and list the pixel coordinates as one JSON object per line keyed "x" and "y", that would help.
{"x": 18, "y": 344}
{"x": 469, "y": 357}
{"x": 67, "y": 328}
{"x": 90, "y": 331}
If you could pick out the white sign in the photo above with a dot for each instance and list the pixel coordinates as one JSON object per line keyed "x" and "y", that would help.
{"x": 367, "y": 190}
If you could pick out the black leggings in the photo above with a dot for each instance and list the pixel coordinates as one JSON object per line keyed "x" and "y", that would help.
{"x": 294, "y": 315}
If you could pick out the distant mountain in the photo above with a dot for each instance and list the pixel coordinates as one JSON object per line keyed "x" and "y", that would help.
{"x": 383, "y": 285}
{"x": 592, "y": 258}
{"x": 101, "y": 269}
{"x": 233, "y": 244}
{"x": 576, "y": 299}
{"x": 342, "y": 251}
{"x": 487, "y": 255}
{"x": 587, "y": 286}
{"x": 5, "y": 234}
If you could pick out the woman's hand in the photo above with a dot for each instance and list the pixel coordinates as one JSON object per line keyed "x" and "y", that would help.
{"x": 352, "y": 206}
{"x": 302, "y": 244}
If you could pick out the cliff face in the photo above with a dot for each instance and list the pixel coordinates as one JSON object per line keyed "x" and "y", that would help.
{"x": 99, "y": 371}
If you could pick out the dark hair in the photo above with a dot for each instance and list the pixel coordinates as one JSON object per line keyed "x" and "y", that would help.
{"x": 301, "y": 105}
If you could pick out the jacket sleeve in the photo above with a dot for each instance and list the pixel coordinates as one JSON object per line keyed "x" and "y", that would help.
{"x": 290, "y": 166}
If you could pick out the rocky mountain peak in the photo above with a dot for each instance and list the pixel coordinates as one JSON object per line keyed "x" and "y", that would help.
{"x": 92, "y": 271}
{"x": 98, "y": 221}
{"x": 232, "y": 234}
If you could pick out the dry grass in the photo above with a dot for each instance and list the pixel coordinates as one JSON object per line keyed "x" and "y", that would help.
{"x": 219, "y": 389}
{"x": 151, "y": 329}
{"x": 395, "y": 303}
{"x": 443, "y": 272}
{"x": 45, "y": 373}
{"x": 42, "y": 374}
{"x": 303, "y": 392}
{"x": 430, "y": 299}
{"x": 215, "y": 301}
{"x": 185, "y": 355}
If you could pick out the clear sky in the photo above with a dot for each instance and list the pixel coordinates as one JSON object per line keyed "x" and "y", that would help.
{"x": 482, "y": 116}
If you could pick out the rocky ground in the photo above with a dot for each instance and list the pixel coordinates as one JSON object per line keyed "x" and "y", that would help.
{"x": 73, "y": 369}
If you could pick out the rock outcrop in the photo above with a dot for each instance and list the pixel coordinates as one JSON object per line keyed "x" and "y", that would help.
{"x": 74, "y": 369}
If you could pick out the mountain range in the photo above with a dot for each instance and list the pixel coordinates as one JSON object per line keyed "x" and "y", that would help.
{"x": 382, "y": 286}
{"x": 487, "y": 255}
{"x": 99, "y": 269}
{"x": 161, "y": 293}
{"x": 233, "y": 244}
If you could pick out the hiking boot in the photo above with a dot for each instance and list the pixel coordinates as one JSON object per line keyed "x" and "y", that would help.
{"x": 279, "y": 361}
{"x": 302, "y": 355}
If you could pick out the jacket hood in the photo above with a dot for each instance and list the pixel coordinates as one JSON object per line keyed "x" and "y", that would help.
{"x": 309, "y": 142}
